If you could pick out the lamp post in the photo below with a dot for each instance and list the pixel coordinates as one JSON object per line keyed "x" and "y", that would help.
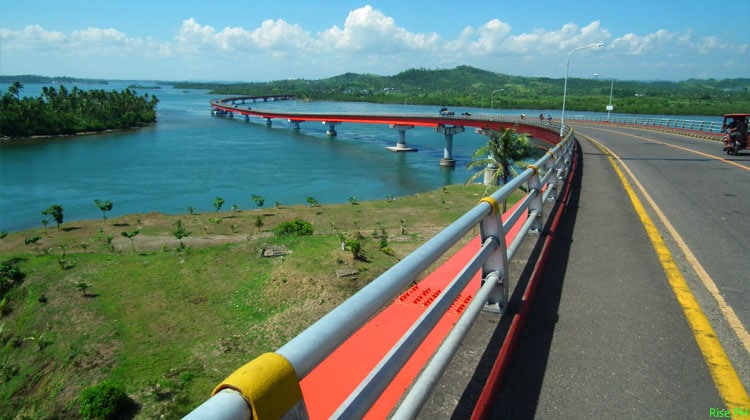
{"x": 609, "y": 107}
{"x": 565, "y": 89}
{"x": 492, "y": 97}
{"x": 611, "y": 89}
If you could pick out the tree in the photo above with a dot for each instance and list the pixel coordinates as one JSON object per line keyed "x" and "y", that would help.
{"x": 258, "y": 200}
{"x": 312, "y": 201}
{"x": 503, "y": 147}
{"x": 180, "y": 232}
{"x": 15, "y": 89}
{"x": 258, "y": 222}
{"x": 56, "y": 212}
{"x": 218, "y": 202}
{"x": 130, "y": 235}
{"x": 83, "y": 287}
{"x": 104, "y": 206}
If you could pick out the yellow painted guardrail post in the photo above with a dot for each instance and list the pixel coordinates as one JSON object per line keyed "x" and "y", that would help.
{"x": 267, "y": 385}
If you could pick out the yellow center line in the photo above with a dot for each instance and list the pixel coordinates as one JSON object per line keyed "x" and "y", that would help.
{"x": 720, "y": 367}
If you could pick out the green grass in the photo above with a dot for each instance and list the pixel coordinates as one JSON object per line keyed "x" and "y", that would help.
{"x": 168, "y": 324}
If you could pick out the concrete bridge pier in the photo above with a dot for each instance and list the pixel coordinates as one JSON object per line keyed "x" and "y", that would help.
{"x": 401, "y": 144}
{"x": 448, "y": 131}
{"x": 331, "y": 127}
{"x": 268, "y": 122}
{"x": 247, "y": 118}
{"x": 295, "y": 123}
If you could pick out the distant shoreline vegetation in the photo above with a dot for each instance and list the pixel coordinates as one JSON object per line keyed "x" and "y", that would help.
{"x": 469, "y": 86}
{"x": 143, "y": 87}
{"x": 32, "y": 79}
{"x": 59, "y": 111}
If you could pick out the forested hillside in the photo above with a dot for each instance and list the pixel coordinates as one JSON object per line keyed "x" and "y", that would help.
{"x": 469, "y": 86}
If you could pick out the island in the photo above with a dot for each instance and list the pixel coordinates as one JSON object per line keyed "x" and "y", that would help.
{"x": 59, "y": 111}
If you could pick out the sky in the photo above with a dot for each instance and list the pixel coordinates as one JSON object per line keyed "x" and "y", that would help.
{"x": 309, "y": 39}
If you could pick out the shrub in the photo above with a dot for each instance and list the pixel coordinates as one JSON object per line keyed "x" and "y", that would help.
{"x": 296, "y": 227}
{"x": 10, "y": 275}
{"x": 103, "y": 401}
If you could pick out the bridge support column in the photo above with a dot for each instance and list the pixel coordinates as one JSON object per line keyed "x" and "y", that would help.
{"x": 247, "y": 118}
{"x": 295, "y": 123}
{"x": 268, "y": 122}
{"x": 401, "y": 144}
{"x": 448, "y": 131}
{"x": 331, "y": 127}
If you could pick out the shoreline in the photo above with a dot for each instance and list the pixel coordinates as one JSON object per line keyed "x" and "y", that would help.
{"x": 4, "y": 138}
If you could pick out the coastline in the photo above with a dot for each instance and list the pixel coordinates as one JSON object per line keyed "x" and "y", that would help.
{"x": 4, "y": 138}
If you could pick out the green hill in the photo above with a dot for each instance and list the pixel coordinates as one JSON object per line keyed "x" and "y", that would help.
{"x": 469, "y": 86}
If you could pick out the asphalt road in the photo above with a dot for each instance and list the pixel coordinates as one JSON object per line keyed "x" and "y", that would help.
{"x": 606, "y": 336}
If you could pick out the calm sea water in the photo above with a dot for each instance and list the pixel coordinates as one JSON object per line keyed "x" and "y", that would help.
{"x": 189, "y": 157}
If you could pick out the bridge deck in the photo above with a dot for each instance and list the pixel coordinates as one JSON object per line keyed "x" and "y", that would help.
{"x": 602, "y": 339}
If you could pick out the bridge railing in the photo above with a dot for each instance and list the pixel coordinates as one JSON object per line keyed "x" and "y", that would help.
{"x": 269, "y": 385}
{"x": 693, "y": 125}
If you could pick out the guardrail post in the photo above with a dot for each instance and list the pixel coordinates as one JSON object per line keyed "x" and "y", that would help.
{"x": 553, "y": 166}
{"x": 495, "y": 267}
{"x": 265, "y": 388}
{"x": 535, "y": 187}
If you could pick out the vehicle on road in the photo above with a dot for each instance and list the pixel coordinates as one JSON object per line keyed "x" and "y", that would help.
{"x": 736, "y": 137}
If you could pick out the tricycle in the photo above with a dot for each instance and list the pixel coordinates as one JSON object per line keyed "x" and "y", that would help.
{"x": 736, "y": 135}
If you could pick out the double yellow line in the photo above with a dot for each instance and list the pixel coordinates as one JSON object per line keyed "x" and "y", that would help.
{"x": 724, "y": 376}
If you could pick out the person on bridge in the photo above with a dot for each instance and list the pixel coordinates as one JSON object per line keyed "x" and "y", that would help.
{"x": 735, "y": 129}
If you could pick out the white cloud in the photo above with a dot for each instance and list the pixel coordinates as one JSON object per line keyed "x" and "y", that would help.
{"x": 367, "y": 29}
{"x": 633, "y": 44}
{"x": 31, "y": 37}
{"x": 271, "y": 36}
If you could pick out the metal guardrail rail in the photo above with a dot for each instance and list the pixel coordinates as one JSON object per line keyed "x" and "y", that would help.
{"x": 268, "y": 386}
{"x": 693, "y": 125}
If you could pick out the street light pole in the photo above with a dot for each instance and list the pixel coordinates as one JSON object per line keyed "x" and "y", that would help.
{"x": 611, "y": 89}
{"x": 492, "y": 97}
{"x": 609, "y": 107}
{"x": 565, "y": 89}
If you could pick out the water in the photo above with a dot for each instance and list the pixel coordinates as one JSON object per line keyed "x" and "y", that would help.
{"x": 189, "y": 157}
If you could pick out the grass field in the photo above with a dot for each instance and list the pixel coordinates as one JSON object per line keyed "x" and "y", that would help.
{"x": 168, "y": 321}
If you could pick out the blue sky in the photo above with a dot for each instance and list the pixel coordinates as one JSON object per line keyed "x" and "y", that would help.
{"x": 261, "y": 41}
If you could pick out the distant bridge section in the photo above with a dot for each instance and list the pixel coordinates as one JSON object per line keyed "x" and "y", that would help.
{"x": 444, "y": 122}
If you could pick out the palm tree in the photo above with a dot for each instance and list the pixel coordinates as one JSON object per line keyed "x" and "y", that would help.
{"x": 15, "y": 89}
{"x": 503, "y": 147}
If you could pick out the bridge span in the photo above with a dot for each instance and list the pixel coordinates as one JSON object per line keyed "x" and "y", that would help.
{"x": 581, "y": 300}
{"x": 446, "y": 123}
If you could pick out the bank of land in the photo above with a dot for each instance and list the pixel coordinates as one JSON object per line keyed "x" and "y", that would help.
{"x": 167, "y": 322}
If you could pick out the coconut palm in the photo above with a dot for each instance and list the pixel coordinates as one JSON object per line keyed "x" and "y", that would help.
{"x": 503, "y": 147}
